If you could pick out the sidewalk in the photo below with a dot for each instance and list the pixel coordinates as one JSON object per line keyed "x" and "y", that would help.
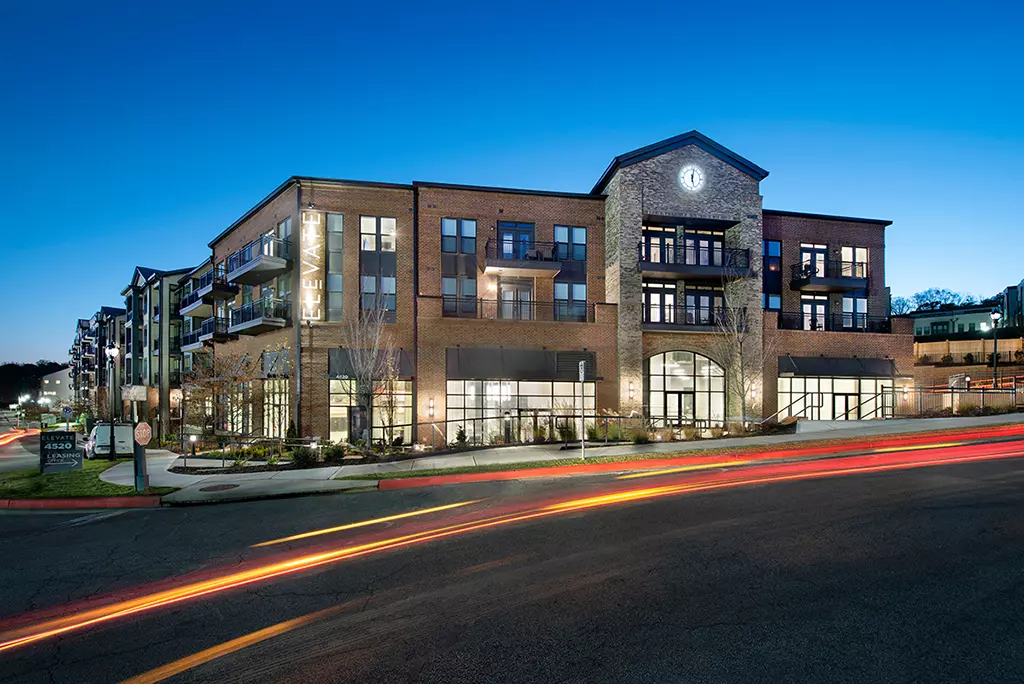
{"x": 197, "y": 489}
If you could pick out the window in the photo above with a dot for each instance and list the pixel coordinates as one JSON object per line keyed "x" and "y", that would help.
{"x": 393, "y": 409}
{"x": 771, "y": 281}
{"x": 570, "y": 243}
{"x": 970, "y": 327}
{"x": 855, "y": 309}
{"x": 659, "y": 301}
{"x": 833, "y": 398}
{"x": 377, "y": 292}
{"x": 658, "y": 245}
{"x": 341, "y": 400}
{"x": 855, "y": 262}
{"x": 377, "y": 231}
{"x": 959, "y": 328}
{"x": 940, "y": 328}
{"x": 479, "y": 407}
{"x": 458, "y": 235}
{"x": 275, "y": 407}
{"x": 683, "y": 389}
{"x": 335, "y": 229}
{"x": 458, "y": 294}
{"x": 571, "y": 302}
{"x": 771, "y": 302}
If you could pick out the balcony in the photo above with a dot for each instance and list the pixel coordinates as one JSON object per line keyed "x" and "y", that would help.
{"x": 840, "y": 322}
{"x": 259, "y": 261}
{"x": 190, "y": 341}
{"x": 260, "y": 316}
{"x": 215, "y": 329}
{"x": 702, "y": 319}
{"x": 829, "y": 276}
{"x": 495, "y": 310}
{"x": 522, "y": 259}
{"x": 695, "y": 264}
{"x": 211, "y": 287}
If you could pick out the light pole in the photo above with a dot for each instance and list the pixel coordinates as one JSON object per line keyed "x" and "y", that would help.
{"x": 995, "y": 348}
{"x": 112, "y": 352}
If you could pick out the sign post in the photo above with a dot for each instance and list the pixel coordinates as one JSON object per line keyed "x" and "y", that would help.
{"x": 143, "y": 433}
{"x": 58, "y": 452}
{"x": 66, "y": 412}
{"x": 583, "y": 412}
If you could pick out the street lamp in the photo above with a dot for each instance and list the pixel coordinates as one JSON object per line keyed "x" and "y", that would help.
{"x": 192, "y": 440}
{"x": 112, "y": 351}
{"x": 995, "y": 316}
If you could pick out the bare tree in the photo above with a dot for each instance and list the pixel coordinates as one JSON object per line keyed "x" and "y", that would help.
{"x": 900, "y": 306}
{"x": 372, "y": 360}
{"x": 743, "y": 352}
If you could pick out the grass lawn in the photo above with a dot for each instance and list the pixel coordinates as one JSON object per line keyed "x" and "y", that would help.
{"x": 29, "y": 484}
{"x": 647, "y": 456}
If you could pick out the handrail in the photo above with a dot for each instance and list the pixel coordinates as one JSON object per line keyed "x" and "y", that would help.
{"x": 265, "y": 245}
{"x": 834, "y": 322}
{"x": 498, "y": 309}
{"x": 828, "y": 269}
{"x": 528, "y": 250}
{"x": 682, "y": 254}
{"x": 821, "y": 395}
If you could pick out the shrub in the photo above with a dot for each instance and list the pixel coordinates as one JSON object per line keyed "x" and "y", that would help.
{"x": 304, "y": 457}
{"x": 924, "y": 358}
{"x": 665, "y": 434}
{"x": 1018, "y": 356}
{"x": 611, "y": 430}
{"x": 540, "y": 434}
{"x": 335, "y": 452}
{"x": 968, "y": 358}
{"x": 567, "y": 431}
{"x": 292, "y": 433}
{"x": 273, "y": 459}
{"x": 717, "y": 432}
{"x": 691, "y": 433}
{"x": 398, "y": 440}
{"x": 592, "y": 432}
{"x": 460, "y": 436}
{"x": 946, "y": 359}
{"x": 641, "y": 435}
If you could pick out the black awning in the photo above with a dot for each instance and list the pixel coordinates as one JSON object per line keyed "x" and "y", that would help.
{"x": 503, "y": 363}
{"x": 828, "y": 366}
{"x": 339, "y": 365}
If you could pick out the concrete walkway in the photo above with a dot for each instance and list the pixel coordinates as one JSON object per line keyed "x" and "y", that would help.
{"x": 195, "y": 489}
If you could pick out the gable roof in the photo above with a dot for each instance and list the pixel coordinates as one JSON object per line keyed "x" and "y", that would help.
{"x": 691, "y": 138}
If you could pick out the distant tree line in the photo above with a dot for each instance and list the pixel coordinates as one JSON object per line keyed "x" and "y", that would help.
{"x": 936, "y": 299}
{"x": 23, "y": 378}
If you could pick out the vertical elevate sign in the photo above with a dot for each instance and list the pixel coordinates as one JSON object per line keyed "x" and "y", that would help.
{"x": 311, "y": 267}
{"x": 58, "y": 452}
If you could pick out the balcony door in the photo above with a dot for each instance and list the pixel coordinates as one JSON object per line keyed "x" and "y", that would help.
{"x": 703, "y": 249}
{"x": 703, "y": 305}
{"x": 815, "y": 310}
{"x": 658, "y": 245}
{"x": 516, "y": 240}
{"x": 813, "y": 258}
{"x": 659, "y": 302}
{"x": 516, "y": 300}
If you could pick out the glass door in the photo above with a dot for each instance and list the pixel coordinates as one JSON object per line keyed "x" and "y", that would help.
{"x": 703, "y": 249}
{"x": 516, "y": 240}
{"x": 678, "y": 409}
{"x": 701, "y": 306}
{"x": 844, "y": 406}
{"x": 814, "y": 311}
{"x": 813, "y": 258}
{"x": 516, "y": 299}
{"x": 659, "y": 302}
{"x": 659, "y": 245}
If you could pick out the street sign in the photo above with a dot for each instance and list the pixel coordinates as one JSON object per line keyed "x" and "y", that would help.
{"x": 134, "y": 392}
{"x": 66, "y": 412}
{"x": 143, "y": 433}
{"x": 583, "y": 370}
{"x": 58, "y": 452}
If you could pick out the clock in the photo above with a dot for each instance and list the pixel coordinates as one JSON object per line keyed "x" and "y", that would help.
{"x": 691, "y": 178}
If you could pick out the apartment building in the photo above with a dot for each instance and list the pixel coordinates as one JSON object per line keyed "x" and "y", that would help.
{"x": 88, "y": 359}
{"x": 151, "y": 357}
{"x": 56, "y": 388}
{"x": 493, "y": 296}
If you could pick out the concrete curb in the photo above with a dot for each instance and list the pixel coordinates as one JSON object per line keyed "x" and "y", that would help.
{"x": 83, "y": 502}
{"x": 371, "y": 485}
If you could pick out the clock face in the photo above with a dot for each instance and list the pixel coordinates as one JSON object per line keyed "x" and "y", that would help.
{"x": 691, "y": 178}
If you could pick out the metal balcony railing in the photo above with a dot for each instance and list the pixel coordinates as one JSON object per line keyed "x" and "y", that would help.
{"x": 265, "y": 245}
{"x": 190, "y": 338}
{"x": 493, "y": 309}
{"x": 690, "y": 316}
{"x": 261, "y": 308}
{"x": 829, "y": 269}
{"x": 527, "y": 250}
{"x": 840, "y": 322}
{"x": 683, "y": 255}
{"x": 214, "y": 326}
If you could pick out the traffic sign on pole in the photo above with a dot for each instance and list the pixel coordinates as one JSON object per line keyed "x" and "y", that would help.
{"x": 143, "y": 433}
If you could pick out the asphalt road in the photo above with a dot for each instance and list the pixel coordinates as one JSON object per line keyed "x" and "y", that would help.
{"x": 20, "y": 454}
{"x": 905, "y": 576}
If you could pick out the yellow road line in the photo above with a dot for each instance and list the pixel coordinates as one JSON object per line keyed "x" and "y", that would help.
{"x": 917, "y": 446}
{"x": 681, "y": 469}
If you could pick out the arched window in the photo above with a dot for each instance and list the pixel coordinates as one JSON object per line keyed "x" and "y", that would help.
{"x": 684, "y": 388}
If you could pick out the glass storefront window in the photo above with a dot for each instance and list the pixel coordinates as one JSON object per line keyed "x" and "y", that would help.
{"x": 685, "y": 389}
{"x": 275, "y": 407}
{"x": 828, "y": 398}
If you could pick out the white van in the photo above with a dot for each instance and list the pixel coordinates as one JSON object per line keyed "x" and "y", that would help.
{"x": 98, "y": 443}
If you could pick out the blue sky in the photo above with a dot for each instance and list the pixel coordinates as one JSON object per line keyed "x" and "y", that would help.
{"x": 132, "y": 134}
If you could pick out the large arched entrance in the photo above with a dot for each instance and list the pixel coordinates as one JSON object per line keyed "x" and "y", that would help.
{"x": 684, "y": 388}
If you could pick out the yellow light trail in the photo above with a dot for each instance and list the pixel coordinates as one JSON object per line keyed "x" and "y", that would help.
{"x": 681, "y": 469}
{"x": 365, "y": 523}
{"x": 915, "y": 447}
{"x": 228, "y": 647}
{"x": 194, "y": 590}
